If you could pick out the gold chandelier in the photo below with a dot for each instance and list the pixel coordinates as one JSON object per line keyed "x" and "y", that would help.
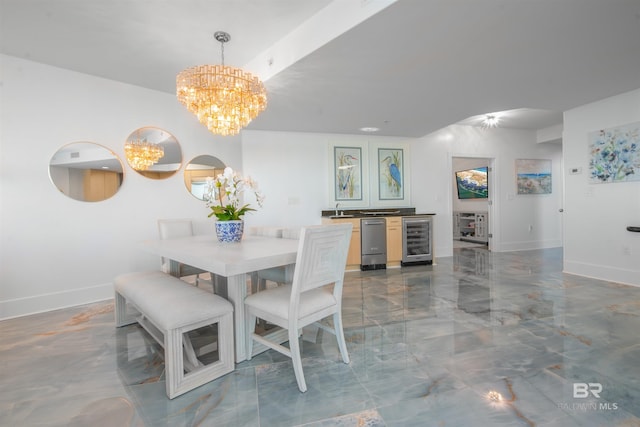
{"x": 141, "y": 154}
{"x": 225, "y": 99}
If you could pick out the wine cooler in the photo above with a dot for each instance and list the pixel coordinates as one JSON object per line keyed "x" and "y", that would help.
{"x": 417, "y": 240}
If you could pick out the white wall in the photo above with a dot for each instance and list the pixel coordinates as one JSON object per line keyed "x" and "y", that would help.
{"x": 511, "y": 214}
{"x": 596, "y": 215}
{"x": 55, "y": 251}
{"x": 293, "y": 169}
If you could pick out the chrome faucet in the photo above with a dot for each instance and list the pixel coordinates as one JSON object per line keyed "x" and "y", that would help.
{"x": 337, "y": 204}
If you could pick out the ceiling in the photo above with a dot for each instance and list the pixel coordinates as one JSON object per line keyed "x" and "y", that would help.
{"x": 408, "y": 67}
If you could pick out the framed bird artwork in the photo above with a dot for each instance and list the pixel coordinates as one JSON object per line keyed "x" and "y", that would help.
{"x": 391, "y": 174}
{"x": 347, "y": 173}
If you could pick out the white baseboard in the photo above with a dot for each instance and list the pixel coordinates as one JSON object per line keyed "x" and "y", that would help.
{"x": 603, "y": 272}
{"x": 54, "y": 301}
{"x": 527, "y": 245}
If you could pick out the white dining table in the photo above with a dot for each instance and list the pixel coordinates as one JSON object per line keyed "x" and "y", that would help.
{"x": 231, "y": 261}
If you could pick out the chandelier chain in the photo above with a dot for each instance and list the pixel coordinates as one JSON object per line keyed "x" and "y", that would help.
{"x": 223, "y": 38}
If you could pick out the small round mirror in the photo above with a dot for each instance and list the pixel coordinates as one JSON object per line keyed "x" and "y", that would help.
{"x": 153, "y": 152}
{"x": 86, "y": 171}
{"x": 197, "y": 172}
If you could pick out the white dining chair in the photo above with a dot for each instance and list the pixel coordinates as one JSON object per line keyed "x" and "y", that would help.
{"x": 173, "y": 229}
{"x": 316, "y": 293}
{"x": 276, "y": 275}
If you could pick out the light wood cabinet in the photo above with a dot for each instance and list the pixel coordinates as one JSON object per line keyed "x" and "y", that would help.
{"x": 100, "y": 185}
{"x": 157, "y": 174}
{"x": 354, "y": 254}
{"x": 394, "y": 240}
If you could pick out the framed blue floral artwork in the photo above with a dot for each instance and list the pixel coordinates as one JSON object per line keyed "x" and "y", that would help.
{"x": 615, "y": 154}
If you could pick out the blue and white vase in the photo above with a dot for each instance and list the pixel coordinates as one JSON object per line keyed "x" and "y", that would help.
{"x": 229, "y": 231}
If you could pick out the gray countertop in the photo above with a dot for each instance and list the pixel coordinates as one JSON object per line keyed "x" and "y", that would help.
{"x": 371, "y": 212}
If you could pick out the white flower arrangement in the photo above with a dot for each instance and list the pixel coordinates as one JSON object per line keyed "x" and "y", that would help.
{"x": 223, "y": 193}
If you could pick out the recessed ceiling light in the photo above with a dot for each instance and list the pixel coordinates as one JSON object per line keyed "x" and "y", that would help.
{"x": 369, "y": 129}
{"x": 490, "y": 121}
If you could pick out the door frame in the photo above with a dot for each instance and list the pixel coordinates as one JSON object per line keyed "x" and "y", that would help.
{"x": 492, "y": 202}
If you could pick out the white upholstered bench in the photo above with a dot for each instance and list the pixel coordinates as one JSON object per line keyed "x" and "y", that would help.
{"x": 169, "y": 309}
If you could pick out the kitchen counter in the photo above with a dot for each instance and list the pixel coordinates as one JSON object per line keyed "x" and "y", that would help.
{"x": 397, "y": 246}
{"x": 372, "y": 212}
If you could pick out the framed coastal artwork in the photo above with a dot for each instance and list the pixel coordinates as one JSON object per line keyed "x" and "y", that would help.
{"x": 615, "y": 154}
{"x": 391, "y": 174}
{"x": 348, "y": 171}
{"x": 347, "y": 163}
{"x": 533, "y": 176}
{"x": 366, "y": 173}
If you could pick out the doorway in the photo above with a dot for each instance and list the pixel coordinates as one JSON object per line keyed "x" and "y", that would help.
{"x": 472, "y": 202}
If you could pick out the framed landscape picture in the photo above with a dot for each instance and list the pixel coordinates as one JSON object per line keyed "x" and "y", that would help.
{"x": 533, "y": 176}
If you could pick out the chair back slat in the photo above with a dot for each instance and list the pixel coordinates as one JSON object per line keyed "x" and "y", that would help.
{"x": 265, "y": 231}
{"x": 322, "y": 256}
{"x": 175, "y": 228}
{"x": 291, "y": 233}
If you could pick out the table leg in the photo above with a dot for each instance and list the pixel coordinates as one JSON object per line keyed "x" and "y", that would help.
{"x": 174, "y": 268}
{"x": 288, "y": 272}
{"x": 220, "y": 286}
{"x": 236, "y": 293}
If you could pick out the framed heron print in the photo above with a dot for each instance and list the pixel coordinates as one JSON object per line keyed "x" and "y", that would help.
{"x": 390, "y": 174}
{"x": 347, "y": 172}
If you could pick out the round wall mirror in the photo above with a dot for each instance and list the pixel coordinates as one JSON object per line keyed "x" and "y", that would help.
{"x": 197, "y": 172}
{"x": 153, "y": 152}
{"x": 86, "y": 171}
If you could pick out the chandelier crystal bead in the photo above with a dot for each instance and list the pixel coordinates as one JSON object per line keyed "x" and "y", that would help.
{"x": 225, "y": 99}
{"x": 142, "y": 154}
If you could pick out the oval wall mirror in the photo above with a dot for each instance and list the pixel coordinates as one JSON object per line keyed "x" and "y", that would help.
{"x": 86, "y": 171}
{"x": 197, "y": 172}
{"x": 153, "y": 152}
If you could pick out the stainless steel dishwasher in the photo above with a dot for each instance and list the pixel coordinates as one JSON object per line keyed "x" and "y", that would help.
{"x": 373, "y": 240}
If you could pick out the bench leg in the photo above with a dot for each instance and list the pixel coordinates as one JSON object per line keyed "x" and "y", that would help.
{"x": 191, "y": 361}
{"x": 120, "y": 312}
{"x": 177, "y": 381}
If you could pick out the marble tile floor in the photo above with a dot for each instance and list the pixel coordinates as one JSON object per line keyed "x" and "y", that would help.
{"x": 479, "y": 339}
{"x": 459, "y": 244}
